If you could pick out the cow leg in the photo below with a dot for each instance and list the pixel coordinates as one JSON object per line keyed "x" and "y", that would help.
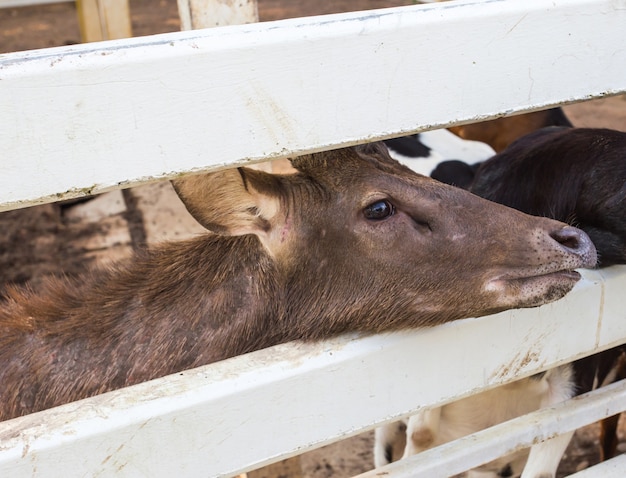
{"x": 422, "y": 431}
{"x": 544, "y": 457}
{"x": 387, "y": 440}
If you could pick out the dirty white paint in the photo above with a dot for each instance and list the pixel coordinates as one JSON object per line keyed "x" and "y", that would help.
{"x": 213, "y": 421}
{"x": 87, "y": 118}
{"x": 613, "y": 468}
{"x": 196, "y": 14}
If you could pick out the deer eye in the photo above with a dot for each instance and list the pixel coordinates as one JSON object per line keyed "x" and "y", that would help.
{"x": 379, "y": 210}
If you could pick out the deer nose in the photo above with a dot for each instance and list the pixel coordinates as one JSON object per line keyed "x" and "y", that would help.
{"x": 576, "y": 241}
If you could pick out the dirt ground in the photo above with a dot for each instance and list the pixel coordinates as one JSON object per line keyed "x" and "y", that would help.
{"x": 56, "y": 238}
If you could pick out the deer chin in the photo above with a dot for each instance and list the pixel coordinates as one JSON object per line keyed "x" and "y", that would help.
{"x": 533, "y": 291}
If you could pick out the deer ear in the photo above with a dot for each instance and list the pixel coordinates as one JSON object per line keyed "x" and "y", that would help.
{"x": 231, "y": 202}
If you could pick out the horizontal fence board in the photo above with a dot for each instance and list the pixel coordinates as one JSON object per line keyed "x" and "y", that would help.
{"x": 613, "y": 468}
{"x": 248, "y": 411}
{"x": 478, "y": 448}
{"x": 29, "y": 3}
{"x": 87, "y": 118}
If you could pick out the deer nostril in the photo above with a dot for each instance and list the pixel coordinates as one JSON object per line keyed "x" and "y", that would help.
{"x": 577, "y": 242}
{"x": 568, "y": 237}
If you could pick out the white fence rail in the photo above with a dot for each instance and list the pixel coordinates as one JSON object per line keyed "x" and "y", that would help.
{"x": 28, "y": 3}
{"x": 89, "y": 118}
{"x": 92, "y": 117}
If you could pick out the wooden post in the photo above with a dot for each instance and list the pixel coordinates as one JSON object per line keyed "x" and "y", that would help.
{"x": 214, "y": 13}
{"x": 103, "y": 19}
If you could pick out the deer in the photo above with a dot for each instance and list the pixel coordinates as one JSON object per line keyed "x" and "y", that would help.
{"x": 351, "y": 241}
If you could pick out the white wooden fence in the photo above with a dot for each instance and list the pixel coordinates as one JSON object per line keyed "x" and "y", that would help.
{"x": 24, "y": 3}
{"x": 95, "y": 117}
